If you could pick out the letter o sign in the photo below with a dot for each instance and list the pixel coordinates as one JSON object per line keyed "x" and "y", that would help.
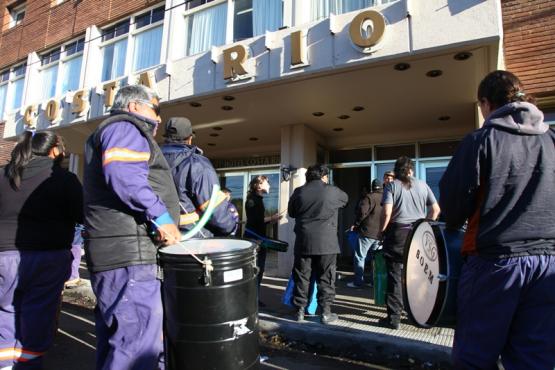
{"x": 378, "y": 29}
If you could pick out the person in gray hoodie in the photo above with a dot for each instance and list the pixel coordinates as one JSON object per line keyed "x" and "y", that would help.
{"x": 501, "y": 180}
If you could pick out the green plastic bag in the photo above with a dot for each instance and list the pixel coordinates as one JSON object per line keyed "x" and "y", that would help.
{"x": 380, "y": 278}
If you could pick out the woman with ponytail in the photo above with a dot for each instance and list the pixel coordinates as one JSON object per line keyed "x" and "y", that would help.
{"x": 40, "y": 203}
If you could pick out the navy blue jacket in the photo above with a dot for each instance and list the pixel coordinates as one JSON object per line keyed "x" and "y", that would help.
{"x": 194, "y": 179}
{"x": 502, "y": 180}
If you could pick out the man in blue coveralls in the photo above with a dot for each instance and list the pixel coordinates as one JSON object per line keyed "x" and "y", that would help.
{"x": 131, "y": 207}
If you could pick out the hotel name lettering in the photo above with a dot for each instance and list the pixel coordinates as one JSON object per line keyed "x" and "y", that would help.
{"x": 234, "y": 65}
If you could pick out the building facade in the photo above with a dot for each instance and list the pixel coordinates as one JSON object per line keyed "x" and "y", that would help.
{"x": 273, "y": 86}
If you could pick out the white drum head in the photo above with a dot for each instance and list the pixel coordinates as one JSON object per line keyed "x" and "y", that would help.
{"x": 422, "y": 266}
{"x": 207, "y": 246}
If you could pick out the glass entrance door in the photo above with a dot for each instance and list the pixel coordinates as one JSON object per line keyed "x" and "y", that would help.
{"x": 431, "y": 172}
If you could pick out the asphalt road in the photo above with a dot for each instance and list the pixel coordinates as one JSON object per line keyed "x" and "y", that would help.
{"x": 74, "y": 348}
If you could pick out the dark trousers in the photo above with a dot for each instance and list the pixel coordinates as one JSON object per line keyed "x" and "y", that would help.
{"x": 261, "y": 263}
{"x": 394, "y": 245}
{"x": 31, "y": 283}
{"x": 324, "y": 268}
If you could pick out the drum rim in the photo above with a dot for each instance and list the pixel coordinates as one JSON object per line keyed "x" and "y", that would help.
{"x": 252, "y": 246}
{"x": 442, "y": 286}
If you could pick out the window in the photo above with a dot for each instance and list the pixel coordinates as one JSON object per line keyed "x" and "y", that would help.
{"x": 114, "y": 50}
{"x": 194, "y": 3}
{"x": 11, "y": 88}
{"x": 148, "y": 39}
{"x": 255, "y": 17}
{"x": 549, "y": 118}
{"x": 61, "y": 69}
{"x": 206, "y": 28}
{"x": 142, "y": 33}
{"x": 322, "y": 8}
{"x": 17, "y": 14}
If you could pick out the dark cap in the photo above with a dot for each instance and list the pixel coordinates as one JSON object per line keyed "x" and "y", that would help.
{"x": 389, "y": 173}
{"x": 178, "y": 128}
{"x": 376, "y": 184}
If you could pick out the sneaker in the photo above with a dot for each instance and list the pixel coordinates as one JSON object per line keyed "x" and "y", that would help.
{"x": 328, "y": 318}
{"x": 70, "y": 284}
{"x": 391, "y": 324}
{"x": 300, "y": 314}
{"x": 353, "y": 285}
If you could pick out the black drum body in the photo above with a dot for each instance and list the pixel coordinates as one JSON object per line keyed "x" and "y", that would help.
{"x": 432, "y": 268}
{"x": 211, "y": 318}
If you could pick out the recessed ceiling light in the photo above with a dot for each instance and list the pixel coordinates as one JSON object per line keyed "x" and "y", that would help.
{"x": 358, "y": 108}
{"x": 228, "y": 98}
{"x": 195, "y": 104}
{"x": 211, "y": 144}
{"x": 318, "y": 114}
{"x": 434, "y": 73}
{"x": 214, "y": 135}
{"x": 444, "y": 118}
{"x": 227, "y": 107}
{"x": 401, "y": 66}
{"x": 463, "y": 55}
{"x": 344, "y": 116}
{"x": 338, "y": 129}
{"x": 253, "y": 138}
{"x": 217, "y": 128}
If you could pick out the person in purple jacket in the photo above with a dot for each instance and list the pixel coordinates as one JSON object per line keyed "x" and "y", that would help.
{"x": 131, "y": 208}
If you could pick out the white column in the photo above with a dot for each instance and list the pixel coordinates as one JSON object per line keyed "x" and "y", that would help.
{"x": 298, "y": 149}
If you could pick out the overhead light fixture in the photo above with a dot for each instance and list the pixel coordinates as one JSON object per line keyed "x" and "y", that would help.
{"x": 444, "y": 118}
{"x": 217, "y": 128}
{"x": 214, "y": 135}
{"x": 338, "y": 129}
{"x": 463, "y": 55}
{"x": 228, "y": 98}
{"x": 253, "y": 138}
{"x": 344, "y": 116}
{"x": 318, "y": 114}
{"x": 358, "y": 108}
{"x": 227, "y": 107}
{"x": 211, "y": 144}
{"x": 401, "y": 66}
{"x": 195, "y": 104}
{"x": 434, "y": 73}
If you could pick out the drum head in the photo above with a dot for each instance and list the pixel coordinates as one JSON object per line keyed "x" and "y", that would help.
{"x": 425, "y": 260}
{"x": 207, "y": 246}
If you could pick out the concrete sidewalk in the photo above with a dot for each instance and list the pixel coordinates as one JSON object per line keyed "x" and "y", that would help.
{"x": 356, "y": 335}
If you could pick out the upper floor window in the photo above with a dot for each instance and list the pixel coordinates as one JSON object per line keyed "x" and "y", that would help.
{"x": 17, "y": 13}
{"x": 322, "y": 8}
{"x": 194, "y": 3}
{"x": 11, "y": 88}
{"x": 61, "y": 69}
{"x": 206, "y": 28}
{"x": 255, "y": 17}
{"x": 549, "y": 117}
{"x": 142, "y": 33}
{"x": 148, "y": 38}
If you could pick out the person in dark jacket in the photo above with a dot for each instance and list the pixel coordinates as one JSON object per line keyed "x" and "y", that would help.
{"x": 367, "y": 224}
{"x": 257, "y": 220}
{"x": 232, "y": 210}
{"x": 194, "y": 179}
{"x": 501, "y": 180}
{"x": 131, "y": 208}
{"x": 315, "y": 207}
{"x": 40, "y": 204}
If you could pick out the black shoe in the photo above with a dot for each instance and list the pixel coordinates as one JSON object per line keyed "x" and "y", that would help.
{"x": 391, "y": 324}
{"x": 300, "y": 314}
{"x": 328, "y": 318}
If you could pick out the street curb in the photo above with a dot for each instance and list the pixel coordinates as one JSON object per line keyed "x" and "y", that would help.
{"x": 364, "y": 345}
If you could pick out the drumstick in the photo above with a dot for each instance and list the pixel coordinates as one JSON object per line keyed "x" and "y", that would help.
{"x": 206, "y": 215}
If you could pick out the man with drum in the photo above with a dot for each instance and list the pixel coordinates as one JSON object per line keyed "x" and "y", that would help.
{"x": 501, "y": 180}
{"x": 405, "y": 200}
{"x": 194, "y": 178}
{"x": 130, "y": 207}
{"x": 315, "y": 207}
